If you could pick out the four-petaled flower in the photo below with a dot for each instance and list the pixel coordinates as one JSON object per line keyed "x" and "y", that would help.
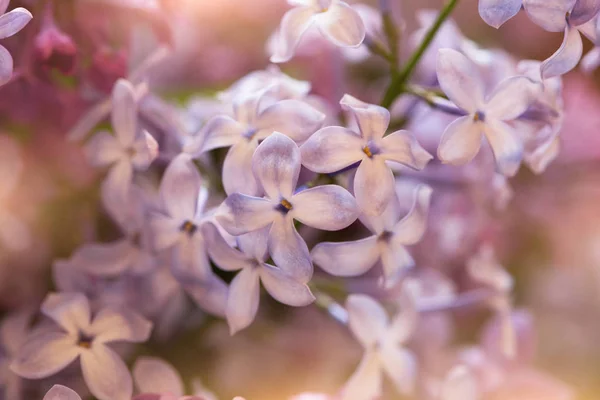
{"x": 10, "y": 23}
{"x": 250, "y": 260}
{"x": 334, "y": 148}
{"x": 386, "y": 246}
{"x": 49, "y": 351}
{"x": 276, "y": 165}
{"x": 336, "y": 20}
{"x": 461, "y": 141}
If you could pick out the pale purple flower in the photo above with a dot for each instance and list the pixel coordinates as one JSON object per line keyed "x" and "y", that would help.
{"x": 176, "y": 229}
{"x": 59, "y": 392}
{"x": 336, "y": 20}
{"x": 153, "y": 375}
{"x": 276, "y": 164}
{"x": 255, "y": 117}
{"x": 250, "y": 260}
{"x": 386, "y": 246}
{"x": 334, "y": 148}
{"x": 384, "y": 353}
{"x": 10, "y": 23}
{"x": 459, "y": 384}
{"x": 127, "y": 150}
{"x": 49, "y": 351}
{"x": 486, "y": 115}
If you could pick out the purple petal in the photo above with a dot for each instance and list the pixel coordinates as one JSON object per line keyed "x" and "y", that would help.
{"x": 461, "y": 141}
{"x": 566, "y": 57}
{"x": 373, "y": 186}
{"x": 145, "y": 150}
{"x": 331, "y": 149}
{"x": 59, "y": 392}
{"x": 410, "y": 229}
{"x": 96, "y": 114}
{"x": 6, "y": 65}
{"x": 69, "y": 310}
{"x": 3, "y": 6}
{"x": 328, "y": 207}
{"x": 402, "y": 147}
{"x": 44, "y": 354}
{"x": 13, "y": 21}
{"x": 180, "y": 187}
{"x": 153, "y": 375}
{"x": 395, "y": 260}
{"x": 460, "y": 80}
{"x": 341, "y": 25}
{"x": 238, "y": 176}
{"x": 511, "y": 98}
{"x": 244, "y": 296}
{"x": 294, "y": 24}
{"x": 400, "y": 365}
{"x": 103, "y": 149}
{"x": 496, "y": 12}
{"x": 211, "y": 295}
{"x": 166, "y": 231}
{"x": 366, "y": 382}
{"x": 367, "y": 319}
{"x": 105, "y": 374}
{"x": 459, "y": 384}
{"x": 110, "y": 325}
{"x": 190, "y": 261}
{"x": 117, "y": 184}
{"x": 241, "y": 214}
{"x": 549, "y": 14}
{"x": 584, "y": 11}
{"x": 372, "y": 119}
{"x": 221, "y": 131}
{"x": 276, "y": 164}
{"x": 294, "y": 118}
{"x": 124, "y": 112}
{"x": 106, "y": 258}
{"x": 591, "y": 60}
{"x": 507, "y": 147}
{"x": 347, "y": 258}
{"x": 284, "y": 288}
{"x": 226, "y": 257}
{"x": 288, "y": 249}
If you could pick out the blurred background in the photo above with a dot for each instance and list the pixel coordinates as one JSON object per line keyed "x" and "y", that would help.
{"x": 49, "y": 196}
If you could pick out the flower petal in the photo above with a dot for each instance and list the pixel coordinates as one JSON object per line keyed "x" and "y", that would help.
{"x": 346, "y": 258}
{"x": 373, "y": 186}
{"x": 244, "y": 296}
{"x": 6, "y": 65}
{"x": 106, "y": 258}
{"x": 584, "y": 11}
{"x": 459, "y": 385}
{"x": 410, "y": 229}
{"x": 117, "y": 184}
{"x": 294, "y": 118}
{"x": 4, "y": 5}
{"x": 400, "y": 365}
{"x": 124, "y": 112}
{"x": 460, "y": 142}
{"x": 165, "y": 231}
{"x": 96, "y": 114}
{"x": 69, "y": 310}
{"x": 59, "y": 392}
{"x": 276, "y": 164}
{"x": 13, "y": 21}
{"x": 105, "y": 374}
{"x": 190, "y": 261}
{"x": 103, "y": 149}
{"x": 459, "y": 79}
{"x": 367, "y": 319}
{"x": 366, "y": 381}
{"x": 549, "y": 14}
{"x": 294, "y": 24}
{"x": 220, "y": 252}
{"x": 288, "y": 249}
{"x": 402, "y": 147}
{"x": 145, "y": 150}
{"x": 241, "y": 214}
{"x": 284, "y": 288}
{"x": 566, "y": 57}
{"x": 154, "y": 375}
{"x": 210, "y": 295}
{"x": 496, "y": 12}
{"x": 372, "y": 119}
{"x": 238, "y": 176}
{"x": 110, "y": 325}
{"x": 341, "y": 25}
{"x": 331, "y": 149}
{"x": 511, "y": 98}
{"x": 327, "y": 207}
{"x": 221, "y": 131}
{"x": 395, "y": 260}
{"x": 507, "y": 147}
{"x": 44, "y": 354}
{"x": 180, "y": 187}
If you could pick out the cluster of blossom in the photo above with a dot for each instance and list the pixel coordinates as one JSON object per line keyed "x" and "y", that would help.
{"x": 296, "y": 168}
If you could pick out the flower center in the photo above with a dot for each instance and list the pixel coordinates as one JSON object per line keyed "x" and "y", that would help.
{"x": 84, "y": 341}
{"x": 249, "y": 134}
{"x": 479, "y": 116}
{"x": 385, "y": 236}
{"x": 324, "y": 5}
{"x": 189, "y": 227}
{"x": 284, "y": 206}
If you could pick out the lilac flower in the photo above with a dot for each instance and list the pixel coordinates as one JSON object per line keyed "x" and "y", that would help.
{"x": 489, "y": 115}
{"x": 59, "y": 392}
{"x": 177, "y": 230}
{"x": 253, "y": 121}
{"x": 382, "y": 341}
{"x": 128, "y": 150}
{"x": 335, "y": 19}
{"x": 276, "y": 164}
{"x": 334, "y": 148}
{"x": 48, "y": 352}
{"x": 10, "y": 23}
{"x": 386, "y": 246}
{"x": 250, "y": 260}
{"x": 459, "y": 384}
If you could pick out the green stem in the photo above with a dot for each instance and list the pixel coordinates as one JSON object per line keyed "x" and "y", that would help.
{"x": 397, "y": 86}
